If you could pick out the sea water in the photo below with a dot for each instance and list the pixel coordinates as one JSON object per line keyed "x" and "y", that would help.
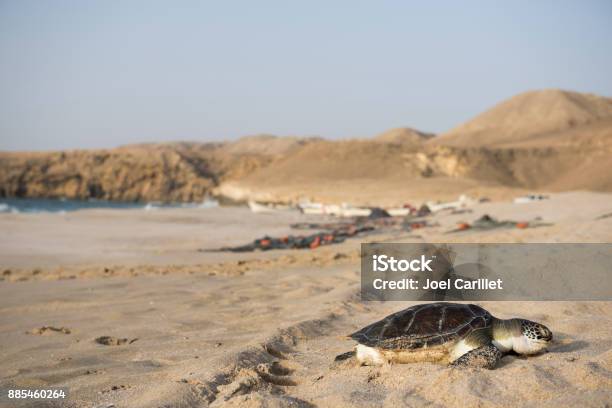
{"x": 37, "y": 205}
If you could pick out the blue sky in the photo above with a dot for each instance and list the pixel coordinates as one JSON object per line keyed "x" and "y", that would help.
{"x": 82, "y": 74}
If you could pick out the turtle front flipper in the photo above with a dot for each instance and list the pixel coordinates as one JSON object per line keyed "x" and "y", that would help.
{"x": 486, "y": 356}
{"x": 345, "y": 356}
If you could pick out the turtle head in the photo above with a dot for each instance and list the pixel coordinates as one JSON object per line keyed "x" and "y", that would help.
{"x": 534, "y": 338}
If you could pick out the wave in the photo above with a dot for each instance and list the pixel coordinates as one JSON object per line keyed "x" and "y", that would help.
{"x": 5, "y": 208}
{"x": 206, "y": 204}
{"x": 209, "y": 203}
{"x": 151, "y": 207}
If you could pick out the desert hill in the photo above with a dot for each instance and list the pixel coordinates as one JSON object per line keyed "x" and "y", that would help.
{"x": 403, "y": 136}
{"x": 542, "y": 140}
{"x": 529, "y": 116}
{"x": 374, "y": 173}
{"x": 269, "y": 145}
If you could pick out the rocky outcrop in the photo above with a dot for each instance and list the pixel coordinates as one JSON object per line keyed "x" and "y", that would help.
{"x": 166, "y": 173}
{"x": 127, "y": 175}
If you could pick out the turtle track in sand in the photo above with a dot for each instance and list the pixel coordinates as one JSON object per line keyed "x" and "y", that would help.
{"x": 272, "y": 369}
{"x": 269, "y": 371}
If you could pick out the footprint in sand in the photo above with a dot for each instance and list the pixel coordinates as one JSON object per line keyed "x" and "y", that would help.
{"x": 115, "y": 388}
{"x": 48, "y": 330}
{"x": 114, "y": 341}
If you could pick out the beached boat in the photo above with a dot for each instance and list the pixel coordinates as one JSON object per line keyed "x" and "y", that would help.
{"x": 312, "y": 208}
{"x": 529, "y": 198}
{"x": 344, "y": 210}
{"x": 398, "y": 212}
{"x": 354, "y": 212}
{"x": 267, "y": 208}
{"x": 462, "y": 202}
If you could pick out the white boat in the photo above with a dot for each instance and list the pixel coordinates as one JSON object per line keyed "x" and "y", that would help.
{"x": 462, "y": 202}
{"x": 312, "y": 208}
{"x": 267, "y": 208}
{"x": 354, "y": 212}
{"x": 398, "y": 212}
{"x": 529, "y": 198}
{"x": 333, "y": 209}
{"x": 343, "y": 210}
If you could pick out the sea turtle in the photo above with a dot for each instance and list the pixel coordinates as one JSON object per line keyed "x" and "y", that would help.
{"x": 459, "y": 334}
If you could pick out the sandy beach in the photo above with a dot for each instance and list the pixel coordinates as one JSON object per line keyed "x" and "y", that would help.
{"x": 130, "y": 308}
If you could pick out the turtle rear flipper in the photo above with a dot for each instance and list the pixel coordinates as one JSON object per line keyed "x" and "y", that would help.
{"x": 486, "y": 356}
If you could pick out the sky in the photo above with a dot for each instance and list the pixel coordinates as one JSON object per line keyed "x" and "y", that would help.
{"x": 92, "y": 74}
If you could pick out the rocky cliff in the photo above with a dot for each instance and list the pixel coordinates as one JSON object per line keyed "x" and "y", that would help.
{"x": 159, "y": 172}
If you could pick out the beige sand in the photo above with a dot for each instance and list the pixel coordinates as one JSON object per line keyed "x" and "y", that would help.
{"x": 262, "y": 329}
